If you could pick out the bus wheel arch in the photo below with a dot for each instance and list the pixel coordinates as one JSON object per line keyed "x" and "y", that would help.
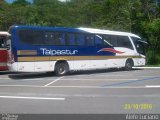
{"x": 129, "y": 64}
{"x": 61, "y": 67}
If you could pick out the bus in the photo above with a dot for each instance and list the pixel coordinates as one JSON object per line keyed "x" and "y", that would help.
{"x": 60, "y": 49}
{"x": 3, "y": 50}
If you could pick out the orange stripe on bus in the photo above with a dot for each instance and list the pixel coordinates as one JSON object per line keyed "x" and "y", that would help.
{"x": 55, "y": 58}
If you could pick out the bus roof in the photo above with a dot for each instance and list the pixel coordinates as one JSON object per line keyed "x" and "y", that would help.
{"x": 4, "y": 33}
{"x": 101, "y": 31}
{"x": 80, "y": 29}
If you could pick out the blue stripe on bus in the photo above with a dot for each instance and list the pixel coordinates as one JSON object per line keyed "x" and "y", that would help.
{"x": 82, "y": 51}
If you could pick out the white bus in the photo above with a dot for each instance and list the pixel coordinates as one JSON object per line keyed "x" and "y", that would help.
{"x": 46, "y": 49}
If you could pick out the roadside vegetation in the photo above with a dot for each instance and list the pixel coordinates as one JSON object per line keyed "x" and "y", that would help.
{"x": 141, "y": 17}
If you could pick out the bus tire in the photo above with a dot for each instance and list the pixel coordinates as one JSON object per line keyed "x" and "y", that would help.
{"x": 61, "y": 68}
{"x": 129, "y": 64}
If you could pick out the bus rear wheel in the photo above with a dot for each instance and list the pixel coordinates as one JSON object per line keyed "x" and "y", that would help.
{"x": 129, "y": 65}
{"x": 61, "y": 68}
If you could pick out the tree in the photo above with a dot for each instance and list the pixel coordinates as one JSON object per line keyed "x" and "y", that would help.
{"x": 152, "y": 30}
{"x": 116, "y": 15}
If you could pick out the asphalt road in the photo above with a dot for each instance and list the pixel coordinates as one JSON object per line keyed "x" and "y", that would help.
{"x": 95, "y": 92}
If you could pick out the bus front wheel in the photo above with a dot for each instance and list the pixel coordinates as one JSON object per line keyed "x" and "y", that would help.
{"x": 61, "y": 68}
{"x": 129, "y": 64}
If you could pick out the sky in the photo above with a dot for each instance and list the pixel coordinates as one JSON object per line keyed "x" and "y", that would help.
{"x": 10, "y": 1}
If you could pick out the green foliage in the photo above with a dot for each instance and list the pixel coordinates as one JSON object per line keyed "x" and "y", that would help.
{"x": 153, "y": 57}
{"x": 153, "y": 33}
{"x": 116, "y": 15}
{"x": 138, "y": 16}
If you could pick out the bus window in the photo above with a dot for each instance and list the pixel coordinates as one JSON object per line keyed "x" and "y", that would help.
{"x": 124, "y": 41}
{"x": 98, "y": 40}
{"x": 113, "y": 40}
{"x": 1, "y": 42}
{"x": 54, "y": 38}
{"x": 59, "y": 38}
{"x": 80, "y": 39}
{"x": 62, "y": 39}
{"x": 31, "y": 37}
{"x": 89, "y": 40}
{"x": 49, "y": 38}
{"x": 70, "y": 39}
{"x": 107, "y": 40}
{"x": 140, "y": 45}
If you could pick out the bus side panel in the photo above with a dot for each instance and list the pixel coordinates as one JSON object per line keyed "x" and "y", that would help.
{"x": 71, "y": 65}
{"x": 26, "y": 66}
{"x": 42, "y": 66}
{"x": 139, "y": 61}
{"x": 99, "y": 64}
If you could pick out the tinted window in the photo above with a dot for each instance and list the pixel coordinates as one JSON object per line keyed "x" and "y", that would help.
{"x": 107, "y": 40}
{"x": 140, "y": 46}
{"x": 113, "y": 40}
{"x": 119, "y": 41}
{"x": 124, "y": 41}
{"x": 59, "y": 38}
{"x": 54, "y": 38}
{"x": 89, "y": 40}
{"x": 1, "y": 42}
{"x": 49, "y": 38}
{"x": 41, "y": 37}
{"x": 80, "y": 39}
{"x": 98, "y": 40}
{"x": 32, "y": 37}
{"x": 70, "y": 39}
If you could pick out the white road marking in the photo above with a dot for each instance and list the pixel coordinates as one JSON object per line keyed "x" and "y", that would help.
{"x": 22, "y": 86}
{"x": 67, "y": 79}
{"x": 152, "y": 86}
{"x": 98, "y": 87}
{"x": 108, "y": 96}
{"x": 35, "y": 98}
{"x": 53, "y": 81}
{"x": 147, "y": 67}
{"x": 87, "y": 87}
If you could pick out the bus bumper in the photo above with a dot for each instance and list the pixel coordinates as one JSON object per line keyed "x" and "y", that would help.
{"x": 12, "y": 67}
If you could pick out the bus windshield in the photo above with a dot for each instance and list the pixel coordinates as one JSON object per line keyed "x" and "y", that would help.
{"x": 2, "y": 43}
{"x": 140, "y": 45}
